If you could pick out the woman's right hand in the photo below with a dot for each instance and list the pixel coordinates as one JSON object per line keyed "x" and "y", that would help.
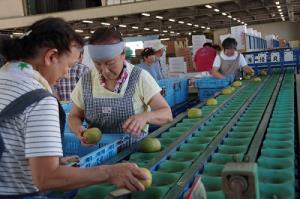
{"x": 127, "y": 175}
{"x": 79, "y": 133}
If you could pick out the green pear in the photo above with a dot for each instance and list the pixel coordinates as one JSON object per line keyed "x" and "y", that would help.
{"x": 92, "y": 135}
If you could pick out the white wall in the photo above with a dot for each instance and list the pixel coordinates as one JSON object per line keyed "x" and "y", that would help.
{"x": 285, "y": 30}
{"x": 11, "y": 8}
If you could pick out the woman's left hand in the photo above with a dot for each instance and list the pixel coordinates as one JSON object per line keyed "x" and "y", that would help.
{"x": 135, "y": 123}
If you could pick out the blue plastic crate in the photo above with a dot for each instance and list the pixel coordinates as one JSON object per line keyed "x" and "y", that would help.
{"x": 183, "y": 91}
{"x": 113, "y": 144}
{"x": 109, "y": 143}
{"x": 168, "y": 90}
{"x": 211, "y": 82}
{"x": 205, "y": 93}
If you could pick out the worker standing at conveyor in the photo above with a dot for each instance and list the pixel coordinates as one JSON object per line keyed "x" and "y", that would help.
{"x": 230, "y": 61}
{"x": 115, "y": 96}
{"x": 30, "y": 139}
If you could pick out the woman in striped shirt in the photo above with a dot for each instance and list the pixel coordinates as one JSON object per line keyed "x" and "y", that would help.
{"x": 31, "y": 141}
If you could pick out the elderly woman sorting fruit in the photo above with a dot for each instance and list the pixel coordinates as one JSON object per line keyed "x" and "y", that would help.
{"x": 116, "y": 96}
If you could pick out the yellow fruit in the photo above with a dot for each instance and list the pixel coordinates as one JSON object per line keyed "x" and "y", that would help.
{"x": 211, "y": 102}
{"x": 256, "y": 79}
{"x": 150, "y": 145}
{"x": 226, "y": 91}
{"x": 194, "y": 113}
{"x": 263, "y": 72}
{"x": 247, "y": 77}
{"x": 147, "y": 183}
{"x": 92, "y": 135}
{"x": 232, "y": 88}
{"x": 237, "y": 84}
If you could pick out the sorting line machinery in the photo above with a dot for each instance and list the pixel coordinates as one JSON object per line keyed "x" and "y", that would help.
{"x": 245, "y": 147}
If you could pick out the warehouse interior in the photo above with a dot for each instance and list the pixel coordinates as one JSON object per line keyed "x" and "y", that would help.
{"x": 219, "y": 84}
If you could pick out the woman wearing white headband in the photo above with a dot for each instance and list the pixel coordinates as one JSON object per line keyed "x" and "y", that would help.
{"x": 116, "y": 96}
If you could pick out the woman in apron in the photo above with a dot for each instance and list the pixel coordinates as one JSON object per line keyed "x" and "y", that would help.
{"x": 115, "y": 96}
{"x": 31, "y": 120}
{"x": 230, "y": 61}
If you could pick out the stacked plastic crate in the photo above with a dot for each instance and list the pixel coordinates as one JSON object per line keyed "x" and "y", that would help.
{"x": 209, "y": 86}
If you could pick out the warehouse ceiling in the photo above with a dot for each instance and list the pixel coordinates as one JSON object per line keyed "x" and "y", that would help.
{"x": 195, "y": 19}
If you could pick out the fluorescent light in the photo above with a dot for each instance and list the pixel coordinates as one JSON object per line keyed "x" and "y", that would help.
{"x": 194, "y": 31}
{"x": 281, "y": 13}
{"x": 165, "y": 39}
{"x": 135, "y": 27}
{"x": 234, "y": 19}
{"x": 181, "y": 22}
{"x": 172, "y": 32}
{"x": 196, "y": 25}
{"x": 105, "y": 24}
{"x": 189, "y": 24}
{"x": 122, "y": 25}
{"x": 159, "y": 17}
{"x": 208, "y": 28}
{"x": 155, "y": 30}
{"x": 177, "y": 33}
{"x": 278, "y": 6}
{"x": 165, "y": 31}
{"x": 146, "y": 14}
{"x": 224, "y": 14}
{"x": 208, "y": 6}
{"x": 92, "y": 31}
{"x": 277, "y": 2}
{"x": 172, "y": 20}
{"x": 162, "y": 34}
{"x": 86, "y": 37}
{"x": 87, "y": 21}
{"x": 246, "y": 24}
{"x": 279, "y": 10}
{"x": 146, "y": 28}
{"x": 190, "y": 33}
{"x": 203, "y": 27}
{"x": 17, "y": 33}
{"x": 216, "y": 10}
{"x": 238, "y": 20}
{"x": 229, "y": 16}
{"x": 78, "y": 30}
{"x": 242, "y": 22}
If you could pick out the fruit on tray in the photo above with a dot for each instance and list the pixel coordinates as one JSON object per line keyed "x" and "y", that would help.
{"x": 92, "y": 135}
{"x": 257, "y": 79}
{"x": 194, "y": 113}
{"x": 237, "y": 84}
{"x": 247, "y": 77}
{"x": 150, "y": 145}
{"x": 147, "y": 183}
{"x": 263, "y": 72}
{"x": 211, "y": 102}
{"x": 227, "y": 91}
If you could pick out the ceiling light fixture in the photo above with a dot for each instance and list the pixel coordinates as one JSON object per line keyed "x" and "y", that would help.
{"x": 122, "y": 25}
{"x": 172, "y": 32}
{"x": 208, "y": 6}
{"x": 190, "y": 33}
{"x": 238, "y": 20}
{"x": 17, "y": 33}
{"x": 224, "y": 14}
{"x": 155, "y": 30}
{"x": 279, "y": 10}
{"x": 234, "y": 19}
{"x": 208, "y": 28}
{"x": 105, "y": 24}
{"x": 87, "y": 21}
{"x": 165, "y": 31}
{"x": 135, "y": 27}
{"x": 278, "y": 6}
{"x": 92, "y": 31}
{"x": 158, "y": 17}
{"x": 146, "y": 28}
{"x": 196, "y": 25}
{"x": 86, "y": 37}
{"x": 181, "y": 22}
{"x": 165, "y": 39}
{"x": 189, "y": 24}
{"x": 229, "y": 16}
{"x": 79, "y": 31}
{"x": 146, "y": 14}
{"x": 277, "y": 3}
{"x": 203, "y": 27}
{"x": 216, "y": 10}
{"x": 172, "y": 20}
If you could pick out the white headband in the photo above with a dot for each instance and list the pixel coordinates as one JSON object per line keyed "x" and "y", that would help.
{"x": 104, "y": 52}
